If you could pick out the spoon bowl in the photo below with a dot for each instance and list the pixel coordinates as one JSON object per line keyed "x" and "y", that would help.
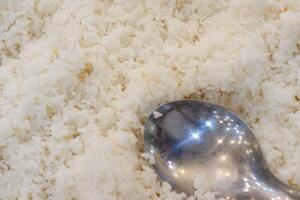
{"x": 190, "y": 139}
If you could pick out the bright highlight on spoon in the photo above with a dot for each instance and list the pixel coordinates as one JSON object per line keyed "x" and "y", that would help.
{"x": 188, "y": 138}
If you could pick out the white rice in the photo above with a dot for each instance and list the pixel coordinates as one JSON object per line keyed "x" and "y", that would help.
{"x": 78, "y": 79}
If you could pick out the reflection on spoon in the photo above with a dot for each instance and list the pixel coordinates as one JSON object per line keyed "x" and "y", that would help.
{"x": 188, "y": 138}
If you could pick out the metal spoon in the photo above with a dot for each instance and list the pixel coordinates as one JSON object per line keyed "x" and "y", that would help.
{"x": 191, "y": 138}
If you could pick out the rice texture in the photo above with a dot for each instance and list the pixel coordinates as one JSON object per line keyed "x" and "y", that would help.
{"x": 79, "y": 78}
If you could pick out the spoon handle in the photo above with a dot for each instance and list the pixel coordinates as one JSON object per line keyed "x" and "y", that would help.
{"x": 267, "y": 187}
{"x": 286, "y": 191}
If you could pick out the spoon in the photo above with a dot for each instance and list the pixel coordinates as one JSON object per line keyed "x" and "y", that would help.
{"x": 191, "y": 139}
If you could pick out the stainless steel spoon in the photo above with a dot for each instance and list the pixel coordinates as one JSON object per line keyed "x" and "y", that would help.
{"x": 192, "y": 138}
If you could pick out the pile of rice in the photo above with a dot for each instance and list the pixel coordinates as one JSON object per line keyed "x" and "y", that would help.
{"x": 79, "y": 78}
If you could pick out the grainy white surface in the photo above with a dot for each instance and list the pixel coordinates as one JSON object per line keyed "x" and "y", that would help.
{"x": 78, "y": 79}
